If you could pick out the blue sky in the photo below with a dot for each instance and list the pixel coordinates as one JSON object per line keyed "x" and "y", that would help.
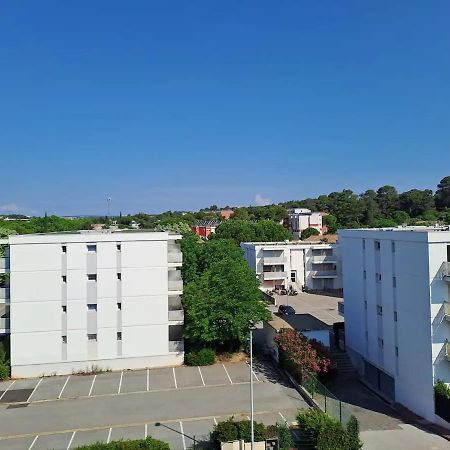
{"x": 179, "y": 105}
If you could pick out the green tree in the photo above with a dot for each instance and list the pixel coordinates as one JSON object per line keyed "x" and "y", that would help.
{"x": 307, "y": 232}
{"x": 400, "y": 217}
{"x": 371, "y": 209}
{"x": 221, "y": 302}
{"x": 387, "y": 199}
{"x": 442, "y": 196}
{"x": 331, "y": 222}
{"x": 416, "y": 202}
{"x": 346, "y": 206}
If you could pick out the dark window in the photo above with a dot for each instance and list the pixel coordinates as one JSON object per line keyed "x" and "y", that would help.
{"x": 64, "y": 278}
{"x": 64, "y": 308}
{"x": 378, "y": 276}
{"x": 393, "y": 247}
{"x": 92, "y": 276}
{"x": 119, "y": 276}
{"x": 396, "y": 351}
{"x": 379, "y": 310}
{"x": 92, "y": 337}
{"x": 64, "y": 339}
{"x": 119, "y": 305}
{"x": 377, "y": 245}
{"x": 64, "y": 248}
{"x": 92, "y": 306}
{"x": 119, "y": 247}
{"x": 91, "y": 248}
{"x": 365, "y": 274}
{"x": 395, "y": 316}
{"x": 448, "y": 253}
{"x": 394, "y": 281}
{"x": 365, "y": 304}
{"x": 380, "y": 343}
{"x": 364, "y": 244}
{"x": 119, "y": 335}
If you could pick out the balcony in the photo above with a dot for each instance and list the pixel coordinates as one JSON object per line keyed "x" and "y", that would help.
{"x": 4, "y": 294}
{"x": 174, "y": 255}
{"x": 447, "y": 311}
{"x": 175, "y": 281}
{"x": 273, "y": 260}
{"x": 447, "y": 350}
{"x": 4, "y": 325}
{"x": 176, "y": 346}
{"x": 324, "y": 274}
{"x": 446, "y": 271}
{"x": 324, "y": 259}
{"x": 176, "y": 315}
{"x": 274, "y": 275}
{"x": 4, "y": 265}
{"x": 341, "y": 308}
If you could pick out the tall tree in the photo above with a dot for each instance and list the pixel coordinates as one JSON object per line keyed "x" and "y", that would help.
{"x": 371, "y": 209}
{"x": 442, "y": 196}
{"x": 416, "y": 202}
{"x": 387, "y": 199}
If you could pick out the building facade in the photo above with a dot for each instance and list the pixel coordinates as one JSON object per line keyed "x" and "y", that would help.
{"x": 302, "y": 265}
{"x": 300, "y": 219}
{"x": 397, "y": 322}
{"x": 205, "y": 228}
{"x": 95, "y": 298}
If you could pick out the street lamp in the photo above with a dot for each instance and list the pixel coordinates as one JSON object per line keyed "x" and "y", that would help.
{"x": 159, "y": 424}
{"x": 252, "y": 430}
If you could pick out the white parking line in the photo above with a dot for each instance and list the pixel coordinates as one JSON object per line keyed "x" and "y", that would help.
{"x": 226, "y": 371}
{"x": 148, "y": 379}
{"x": 175, "y": 378}
{"x": 39, "y": 382}
{"x": 71, "y": 440}
{"x": 109, "y": 436}
{"x": 145, "y": 431}
{"x": 120, "y": 382}
{"x": 281, "y": 415}
{"x": 6, "y": 390}
{"x": 254, "y": 374}
{"x": 65, "y": 384}
{"x": 215, "y": 421}
{"x": 34, "y": 441}
{"x": 182, "y": 435}
{"x": 92, "y": 385}
{"x": 201, "y": 376}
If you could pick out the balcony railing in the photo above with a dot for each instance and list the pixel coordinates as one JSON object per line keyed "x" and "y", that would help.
{"x": 4, "y": 324}
{"x": 175, "y": 285}
{"x": 274, "y": 275}
{"x": 176, "y": 315}
{"x": 324, "y": 259}
{"x": 447, "y": 311}
{"x": 4, "y": 264}
{"x": 446, "y": 271}
{"x": 176, "y": 346}
{"x": 175, "y": 257}
{"x": 341, "y": 308}
{"x": 4, "y": 294}
{"x": 324, "y": 274}
{"x": 447, "y": 350}
{"x": 272, "y": 260}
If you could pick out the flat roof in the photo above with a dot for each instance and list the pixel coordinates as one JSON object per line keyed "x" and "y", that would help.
{"x": 288, "y": 243}
{"x": 305, "y": 322}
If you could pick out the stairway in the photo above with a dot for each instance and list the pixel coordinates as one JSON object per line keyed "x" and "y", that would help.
{"x": 344, "y": 364}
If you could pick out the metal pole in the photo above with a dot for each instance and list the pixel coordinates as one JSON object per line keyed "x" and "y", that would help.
{"x": 252, "y": 434}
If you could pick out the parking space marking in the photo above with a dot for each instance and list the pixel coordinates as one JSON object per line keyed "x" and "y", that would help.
{"x": 148, "y": 379}
{"x": 38, "y": 383}
{"x": 182, "y": 435}
{"x": 59, "y": 396}
{"x": 109, "y": 436}
{"x": 6, "y": 390}
{"x": 281, "y": 415}
{"x": 201, "y": 376}
{"x": 120, "y": 382}
{"x": 145, "y": 431}
{"x": 174, "y": 377}
{"x": 34, "y": 441}
{"x": 92, "y": 385}
{"x": 253, "y": 372}
{"x": 226, "y": 371}
{"x": 215, "y": 421}
{"x": 71, "y": 440}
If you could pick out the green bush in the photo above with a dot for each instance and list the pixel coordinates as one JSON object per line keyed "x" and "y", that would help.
{"x": 203, "y": 357}
{"x": 230, "y": 430}
{"x": 283, "y": 433}
{"x": 307, "y": 232}
{"x": 353, "y": 441}
{"x": 4, "y": 365}
{"x": 140, "y": 444}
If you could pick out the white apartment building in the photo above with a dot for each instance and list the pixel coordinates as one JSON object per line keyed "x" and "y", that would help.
{"x": 397, "y": 315}
{"x": 110, "y": 299}
{"x": 300, "y": 219}
{"x": 314, "y": 266}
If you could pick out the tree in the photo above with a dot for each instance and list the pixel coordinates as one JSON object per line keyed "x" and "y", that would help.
{"x": 387, "y": 199}
{"x": 400, "y": 217}
{"x": 307, "y": 232}
{"x": 331, "y": 222}
{"x": 221, "y": 303}
{"x": 346, "y": 206}
{"x": 442, "y": 196}
{"x": 416, "y": 202}
{"x": 371, "y": 209}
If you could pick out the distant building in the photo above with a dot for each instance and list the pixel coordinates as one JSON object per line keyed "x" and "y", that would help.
{"x": 77, "y": 299}
{"x": 226, "y": 213}
{"x": 313, "y": 266}
{"x": 301, "y": 218}
{"x": 205, "y": 228}
{"x": 397, "y": 311}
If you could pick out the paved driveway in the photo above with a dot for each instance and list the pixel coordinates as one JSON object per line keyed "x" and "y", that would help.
{"x": 65, "y": 412}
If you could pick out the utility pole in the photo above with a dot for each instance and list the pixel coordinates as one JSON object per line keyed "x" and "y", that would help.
{"x": 252, "y": 431}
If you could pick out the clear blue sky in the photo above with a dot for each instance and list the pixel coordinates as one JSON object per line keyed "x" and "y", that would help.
{"x": 183, "y": 104}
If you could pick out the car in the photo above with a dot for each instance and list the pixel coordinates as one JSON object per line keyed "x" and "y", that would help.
{"x": 286, "y": 310}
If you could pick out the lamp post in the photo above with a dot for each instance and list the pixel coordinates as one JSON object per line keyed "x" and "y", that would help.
{"x": 252, "y": 428}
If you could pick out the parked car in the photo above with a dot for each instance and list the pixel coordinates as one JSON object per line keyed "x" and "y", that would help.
{"x": 286, "y": 310}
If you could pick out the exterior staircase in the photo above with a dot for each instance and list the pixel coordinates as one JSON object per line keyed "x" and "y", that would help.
{"x": 344, "y": 364}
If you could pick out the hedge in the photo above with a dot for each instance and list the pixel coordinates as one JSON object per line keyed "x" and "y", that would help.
{"x": 203, "y": 357}
{"x": 139, "y": 444}
{"x": 442, "y": 400}
{"x": 4, "y": 365}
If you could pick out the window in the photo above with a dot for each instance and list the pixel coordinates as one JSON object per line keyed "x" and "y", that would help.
{"x": 119, "y": 335}
{"x": 367, "y": 335}
{"x": 393, "y": 247}
{"x": 64, "y": 248}
{"x": 119, "y": 305}
{"x": 364, "y": 244}
{"x": 64, "y": 278}
{"x": 365, "y": 304}
{"x": 92, "y": 306}
{"x": 119, "y": 247}
{"x": 92, "y": 277}
{"x": 396, "y": 351}
{"x": 119, "y": 276}
{"x": 380, "y": 343}
{"x": 394, "y": 281}
{"x": 378, "y": 277}
{"x": 92, "y": 337}
{"x": 379, "y": 310}
{"x": 365, "y": 274}
{"x": 91, "y": 248}
{"x": 64, "y": 308}
{"x": 64, "y": 339}
{"x": 377, "y": 245}
{"x": 395, "y": 316}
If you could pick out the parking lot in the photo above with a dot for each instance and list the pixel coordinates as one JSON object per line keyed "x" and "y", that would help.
{"x": 65, "y": 412}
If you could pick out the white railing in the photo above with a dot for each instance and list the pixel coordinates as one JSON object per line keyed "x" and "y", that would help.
{"x": 175, "y": 285}
{"x": 4, "y": 323}
{"x": 4, "y": 293}
{"x": 446, "y": 270}
{"x": 274, "y": 260}
{"x": 176, "y": 346}
{"x": 176, "y": 315}
{"x": 324, "y": 259}
{"x": 324, "y": 274}
{"x": 175, "y": 257}
{"x": 274, "y": 275}
{"x": 4, "y": 264}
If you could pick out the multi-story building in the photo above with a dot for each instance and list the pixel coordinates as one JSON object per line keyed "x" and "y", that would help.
{"x": 300, "y": 219}
{"x": 397, "y": 315}
{"x": 205, "y": 228}
{"x": 102, "y": 298}
{"x": 314, "y": 266}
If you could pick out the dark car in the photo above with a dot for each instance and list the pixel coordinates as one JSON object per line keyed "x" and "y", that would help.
{"x": 286, "y": 310}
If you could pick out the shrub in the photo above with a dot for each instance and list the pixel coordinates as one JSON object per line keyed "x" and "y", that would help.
{"x": 203, "y": 357}
{"x": 140, "y": 444}
{"x": 442, "y": 400}
{"x": 230, "y": 430}
{"x": 4, "y": 365}
{"x": 353, "y": 441}
{"x": 307, "y": 232}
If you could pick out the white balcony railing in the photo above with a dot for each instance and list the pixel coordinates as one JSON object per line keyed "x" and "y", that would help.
{"x": 4, "y": 324}
{"x": 324, "y": 259}
{"x": 175, "y": 257}
{"x": 176, "y": 346}
{"x": 176, "y": 315}
{"x": 4, "y": 294}
{"x": 175, "y": 285}
{"x": 273, "y": 260}
{"x": 274, "y": 275}
{"x": 324, "y": 274}
{"x": 4, "y": 264}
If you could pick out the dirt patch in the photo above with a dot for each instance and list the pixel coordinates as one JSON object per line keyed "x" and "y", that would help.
{"x": 232, "y": 357}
